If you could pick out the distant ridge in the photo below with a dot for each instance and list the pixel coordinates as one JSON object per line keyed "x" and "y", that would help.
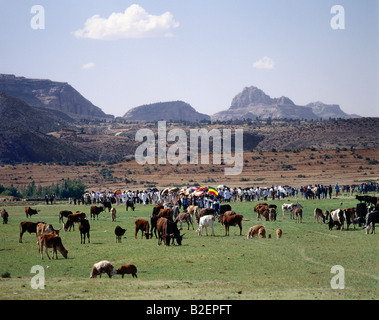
{"x": 172, "y": 110}
{"x": 253, "y": 103}
{"x": 51, "y": 95}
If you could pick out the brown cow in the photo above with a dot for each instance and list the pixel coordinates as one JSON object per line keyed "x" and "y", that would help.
{"x": 73, "y": 218}
{"x": 127, "y": 269}
{"x": 184, "y": 217}
{"x": 298, "y": 213}
{"x": 84, "y": 228}
{"x": 350, "y": 215}
{"x": 168, "y": 229}
{"x": 4, "y": 216}
{"x": 95, "y": 211}
{"x": 63, "y": 213}
{"x": 204, "y": 212}
{"x": 142, "y": 225}
{"x": 113, "y": 214}
{"x": 279, "y": 233}
{"x": 29, "y": 211}
{"x": 166, "y": 213}
{"x": 51, "y": 240}
{"x": 228, "y": 221}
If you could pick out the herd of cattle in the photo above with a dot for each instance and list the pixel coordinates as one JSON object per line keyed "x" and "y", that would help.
{"x": 165, "y": 219}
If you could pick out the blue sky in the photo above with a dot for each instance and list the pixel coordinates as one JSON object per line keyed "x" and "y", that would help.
{"x": 202, "y": 52}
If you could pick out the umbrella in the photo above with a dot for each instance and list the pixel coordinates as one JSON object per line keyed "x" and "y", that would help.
{"x": 221, "y": 186}
{"x": 175, "y": 189}
{"x": 203, "y": 189}
{"x": 165, "y": 190}
{"x": 198, "y": 193}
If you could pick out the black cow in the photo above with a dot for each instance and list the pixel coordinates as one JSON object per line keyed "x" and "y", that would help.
{"x": 372, "y": 218}
{"x": 29, "y": 226}
{"x": 130, "y": 203}
{"x": 119, "y": 232}
{"x": 29, "y": 211}
{"x": 64, "y": 213}
{"x": 84, "y": 228}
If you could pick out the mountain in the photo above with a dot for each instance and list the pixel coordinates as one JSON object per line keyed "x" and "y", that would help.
{"x": 254, "y": 103}
{"x": 51, "y": 95}
{"x": 172, "y": 110}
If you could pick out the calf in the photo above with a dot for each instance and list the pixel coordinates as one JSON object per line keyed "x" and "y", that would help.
{"x": 298, "y": 213}
{"x": 253, "y": 231}
{"x": 290, "y": 207}
{"x": 372, "y": 218}
{"x": 279, "y": 233}
{"x": 29, "y": 211}
{"x": 84, "y": 228}
{"x": 51, "y": 240}
{"x": 142, "y": 225}
{"x": 101, "y": 267}
{"x": 127, "y": 269}
{"x": 119, "y": 232}
{"x": 113, "y": 214}
{"x": 206, "y": 221}
{"x": 184, "y": 217}
{"x": 4, "y": 216}
{"x": 95, "y": 211}
{"x": 228, "y": 221}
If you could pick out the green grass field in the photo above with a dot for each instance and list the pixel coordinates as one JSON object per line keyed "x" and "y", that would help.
{"x": 298, "y": 266}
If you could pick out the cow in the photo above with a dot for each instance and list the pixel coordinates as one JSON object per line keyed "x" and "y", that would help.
{"x": 63, "y": 213}
{"x": 153, "y": 221}
{"x": 349, "y": 215}
{"x": 205, "y": 222}
{"x": 184, "y": 217}
{"x": 119, "y": 232}
{"x": 95, "y": 211}
{"x": 101, "y": 267}
{"x": 166, "y": 213}
{"x": 336, "y": 218}
{"x": 29, "y": 211}
{"x": 127, "y": 269}
{"x": 205, "y": 212}
{"x": 279, "y": 233}
{"x": 290, "y": 207}
{"x": 73, "y": 218}
{"x": 84, "y": 228}
{"x": 263, "y": 211}
{"x": 262, "y": 233}
{"x": 228, "y": 221}
{"x": 227, "y": 213}
{"x": 298, "y": 213}
{"x": 175, "y": 209}
{"x": 253, "y": 231}
{"x": 193, "y": 210}
{"x": 113, "y": 214}
{"x": 43, "y": 228}
{"x": 319, "y": 215}
{"x": 156, "y": 209}
{"x": 130, "y": 203}
{"x": 372, "y": 218}
{"x": 4, "y": 216}
{"x": 224, "y": 208}
{"x": 51, "y": 240}
{"x": 29, "y": 226}
{"x": 142, "y": 225}
{"x": 107, "y": 204}
{"x": 168, "y": 229}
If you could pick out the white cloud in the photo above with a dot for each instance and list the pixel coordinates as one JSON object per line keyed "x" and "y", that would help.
{"x": 264, "y": 63}
{"x": 135, "y": 22}
{"x": 88, "y": 65}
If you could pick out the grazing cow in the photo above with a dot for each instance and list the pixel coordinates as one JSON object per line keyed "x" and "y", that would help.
{"x": 127, "y": 269}
{"x": 142, "y": 225}
{"x": 168, "y": 229}
{"x": 4, "y": 216}
{"x": 184, "y": 217}
{"x": 84, "y": 228}
{"x": 95, "y": 211}
{"x": 253, "y": 231}
{"x": 262, "y": 233}
{"x": 101, "y": 267}
{"x": 29, "y": 211}
{"x": 372, "y": 218}
{"x": 279, "y": 233}
{"x": 63, "y": 213}
{"x": 263, "y": 211}
{"x": 206, "y": 221}
{"x": 51, "y": 240}
{"x": 113, "y": 214}
{"x": 130, "y": 203}
{"x": 298, "y": 213}
{"x": 29, "y": 226}
{"x": 319, "y": 215}
{"x": 336, "y": 218}
{"x": 119, "y": 232}
{"x": 290, "y": 207}
{"x": 73, "y": 218}
{"x": 205, "y": 212}
{"x": 228, "y": 221}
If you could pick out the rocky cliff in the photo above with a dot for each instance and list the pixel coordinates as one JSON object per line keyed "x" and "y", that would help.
{"x": 50, "y": 94}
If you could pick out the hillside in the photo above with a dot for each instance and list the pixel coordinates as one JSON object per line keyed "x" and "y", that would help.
{"x": 49, "y": 94}
{"x": 253, "y": 103}
{"x": 169, "y": 111}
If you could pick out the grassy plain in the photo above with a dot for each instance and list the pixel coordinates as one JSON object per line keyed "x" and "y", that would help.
{"x": 298, "y": 266}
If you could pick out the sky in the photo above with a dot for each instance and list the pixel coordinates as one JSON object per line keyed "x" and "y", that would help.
{"x": 121, "y": 54}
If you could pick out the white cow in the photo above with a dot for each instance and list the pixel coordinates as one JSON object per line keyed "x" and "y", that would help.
{"x": 206, "y": 221}
{"x": 336, "y": 218}
{"x": 290, "y": 207}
